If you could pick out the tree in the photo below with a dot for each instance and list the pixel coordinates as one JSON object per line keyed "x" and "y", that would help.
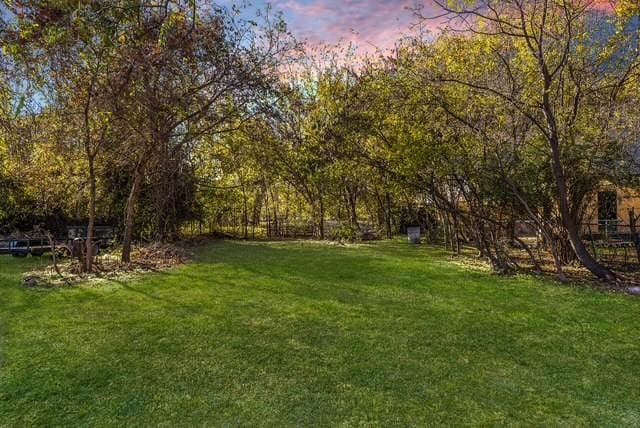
{"x": 73, "y": 46}
{"x": 196, "y": 73}
{"x": 554, "y": 71}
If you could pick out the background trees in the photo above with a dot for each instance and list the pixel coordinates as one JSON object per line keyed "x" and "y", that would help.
{"x": 150, "y": 80}
{"x": 159, "y": 115}
{"x": 558, "y": 66}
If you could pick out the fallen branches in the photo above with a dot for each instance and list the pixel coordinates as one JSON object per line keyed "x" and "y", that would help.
{"x": 150, "y": 258}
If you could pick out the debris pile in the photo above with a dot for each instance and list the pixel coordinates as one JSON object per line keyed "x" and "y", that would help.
{"x": 149, "y": 258}
{"x": 161, "y": 256}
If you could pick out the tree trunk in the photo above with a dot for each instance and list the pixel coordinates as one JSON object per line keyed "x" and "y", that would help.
{"x": 86, "y": 263}
{"x": 321, "y": 218}
{"x": 54, "y": 255}
{"x": 456, "y": 234}
{"x": 388, "y": 215}
{"x": 92, "y": 217}
{"x": 245, "y": 215}
{"x": 130, "y": 214}
{"x": 570, "y": 226}
{"x": 353, "y": 212}
{"x": 573, "y": 233}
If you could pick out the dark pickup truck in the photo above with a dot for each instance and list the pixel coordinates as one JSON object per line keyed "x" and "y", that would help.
{"x": 25, "y": 246}
{"x": 69, "y": 246}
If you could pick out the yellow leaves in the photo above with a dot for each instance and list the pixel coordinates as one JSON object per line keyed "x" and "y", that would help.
{"x": 627, "y": 8}
{"x": 173, "y": 21}
{"x": 4, "y": 150}
{"x": 28, "y": 29}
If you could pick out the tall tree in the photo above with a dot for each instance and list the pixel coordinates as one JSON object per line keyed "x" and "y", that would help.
{"x": 554, "y": 66}
{"x": 195, "y": 72}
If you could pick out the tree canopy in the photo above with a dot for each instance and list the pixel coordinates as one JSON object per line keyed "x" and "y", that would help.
{"x": 157, "y": 116}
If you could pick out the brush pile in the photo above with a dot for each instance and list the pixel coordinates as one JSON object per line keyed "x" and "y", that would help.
{"x": 149, "y": 258}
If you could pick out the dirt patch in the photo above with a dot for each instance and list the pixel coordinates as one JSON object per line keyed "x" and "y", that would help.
{"x": 149, "y": 258}
{"x": 578, "y": 275}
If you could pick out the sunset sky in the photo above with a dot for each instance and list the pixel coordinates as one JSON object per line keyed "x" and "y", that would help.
{"x": 367, "y": 23}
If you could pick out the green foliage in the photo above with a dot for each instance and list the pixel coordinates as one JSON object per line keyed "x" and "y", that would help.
{"x": 184, "y": 113}
{"x": 345, "y": 232}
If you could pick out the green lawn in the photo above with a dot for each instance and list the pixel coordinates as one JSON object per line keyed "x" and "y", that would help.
{"x": 304, "y": 334}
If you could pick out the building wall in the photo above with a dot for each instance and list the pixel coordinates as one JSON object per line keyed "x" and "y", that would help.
{"x": 626, "y": 199}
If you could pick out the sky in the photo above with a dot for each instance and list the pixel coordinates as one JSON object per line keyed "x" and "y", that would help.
{"x": 370, "y": 24}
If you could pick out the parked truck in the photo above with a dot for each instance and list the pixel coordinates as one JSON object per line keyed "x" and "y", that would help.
{"x": 70, "y": 245}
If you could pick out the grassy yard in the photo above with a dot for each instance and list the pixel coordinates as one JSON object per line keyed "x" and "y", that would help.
{"x": 304, "y": 334}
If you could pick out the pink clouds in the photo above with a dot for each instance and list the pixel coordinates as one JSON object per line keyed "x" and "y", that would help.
{"x": 369, "y": 24}
{"x": 606, "y": 5}
{"x": 302, "y": 9}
